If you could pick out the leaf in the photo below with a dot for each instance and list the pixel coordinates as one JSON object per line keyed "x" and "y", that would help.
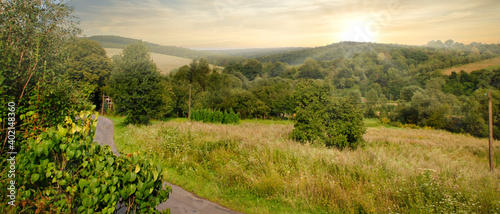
{"x": 133, "y": 176}
{"x": 132, "y": 189}
{"x": 34, "y": 177}
{"x": 112, "y": 189}
{"x": 85, "y": 163}
{"x": 137, "y": 168}
{"x": 115, "y": 180}
{"x": 155, "y": 175}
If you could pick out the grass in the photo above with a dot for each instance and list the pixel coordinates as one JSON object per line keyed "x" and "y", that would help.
{"x": 254, "y": 167}
{"x": 489, "y": 64}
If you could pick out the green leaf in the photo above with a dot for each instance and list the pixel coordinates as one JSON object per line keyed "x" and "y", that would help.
{"x": 137, "y": 168}
{"x": 110, "y": 160}
{"x": 85, "y": 163}
{"x": 34, "y": 177}
{"x": 63, "y": 147}
{"x": 112, "y": 189}
{"x": 133, "y": 176}
{"x": 115, "y": 180}
{"x": 131, "y": 189}
{"x": 155, "y": 175}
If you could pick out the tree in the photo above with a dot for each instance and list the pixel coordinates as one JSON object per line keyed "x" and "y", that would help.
{"x": 320, "y": 118}
{"x": 139, "y": 91}
{"x": 311, "y": 69}
{"x": 88, "y": 64}
{"x": 251, "y": 69}
{"x": 197, "y": 73}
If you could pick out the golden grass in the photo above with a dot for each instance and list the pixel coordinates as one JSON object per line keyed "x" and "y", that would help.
{"x": 256, "y": 168}
{"x": 476, "y": 66}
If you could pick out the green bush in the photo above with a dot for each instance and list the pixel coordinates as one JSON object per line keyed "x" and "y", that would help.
{"x": 63, "y": 170}
{"x": 320, "y": 118}
{"x": 209, "y": 116}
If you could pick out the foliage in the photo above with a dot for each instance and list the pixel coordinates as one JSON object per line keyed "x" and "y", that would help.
{"x": 319, "y": 118}
{"x": 63, "y": 170}
{"x": 87, "y": 64}
{"x": 138, "y": 90}
{"x": 209, "y": 116}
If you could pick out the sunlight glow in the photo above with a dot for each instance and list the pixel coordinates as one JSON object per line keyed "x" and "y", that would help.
{"x": 360, "y": 32}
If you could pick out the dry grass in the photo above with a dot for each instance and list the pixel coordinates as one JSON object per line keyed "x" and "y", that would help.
{"x": 256, "y": 168}
{"x": 476, "y": 66}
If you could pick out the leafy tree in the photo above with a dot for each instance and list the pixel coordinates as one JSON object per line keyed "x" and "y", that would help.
{"x": 251, "y": 69}
{"x": 139, "y": 91}
{"x": 197, "y": 73}
{"x": 88, "y": 64}
{"x": 334, "y": 122}
{"x": 408, "y": 92}
{"x": 311, "y": 69}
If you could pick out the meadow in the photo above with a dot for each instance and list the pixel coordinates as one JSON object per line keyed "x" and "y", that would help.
{"x": 254, "y": 167}
{"x": 489, "y": 64}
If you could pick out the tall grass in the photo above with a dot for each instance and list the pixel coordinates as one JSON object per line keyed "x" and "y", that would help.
{"x": 256, "y": 168}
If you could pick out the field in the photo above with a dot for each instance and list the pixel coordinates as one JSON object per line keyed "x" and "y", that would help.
{"x": 488, "y": 64}
{"x": 165, "y": 63}
{"x": 254, "y": 167}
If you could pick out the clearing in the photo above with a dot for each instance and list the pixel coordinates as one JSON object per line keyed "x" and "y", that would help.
{"x": 488, "y": 64}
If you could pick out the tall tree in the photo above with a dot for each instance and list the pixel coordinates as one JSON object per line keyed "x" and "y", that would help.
{"x": 137, "y": 87}
{"x": 88, "y": 64}
{"x": 198, "y": 73}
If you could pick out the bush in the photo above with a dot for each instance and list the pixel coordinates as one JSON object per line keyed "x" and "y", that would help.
{"x": 209, "y": 116}
{"x": 320, "y": 118}
{"x": 63, "y": 170}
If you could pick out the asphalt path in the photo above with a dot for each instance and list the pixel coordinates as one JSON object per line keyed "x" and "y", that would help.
{"x": 180, "y": 201}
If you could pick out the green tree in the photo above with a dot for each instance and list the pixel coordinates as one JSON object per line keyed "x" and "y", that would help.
{"x": 139, "y": 91}
{"x": 311, "y": 69}
{"x": 251, "y": 69}
{"x": 197, "y": 73}
{"x": 88, "y": 64}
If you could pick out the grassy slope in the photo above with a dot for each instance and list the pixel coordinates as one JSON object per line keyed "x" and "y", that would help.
{"x": 165, "y": 63}
{"x": 255, "y": 168}
{"x": 490, "y": 64}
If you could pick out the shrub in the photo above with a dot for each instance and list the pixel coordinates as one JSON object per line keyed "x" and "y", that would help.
{"x": 320, "y": 118}
{"x": 63, "y": 170}
{"x": 208, "y": 116}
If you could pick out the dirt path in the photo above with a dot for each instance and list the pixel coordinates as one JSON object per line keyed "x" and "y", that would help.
{"x": 180, "y": 200}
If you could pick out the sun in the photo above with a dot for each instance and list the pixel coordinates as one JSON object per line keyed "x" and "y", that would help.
{"x": 359, "y": 32}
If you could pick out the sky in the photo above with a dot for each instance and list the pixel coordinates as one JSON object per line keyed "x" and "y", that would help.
{"x": 227, "y": 24}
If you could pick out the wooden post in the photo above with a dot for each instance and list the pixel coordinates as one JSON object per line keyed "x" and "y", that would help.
{"x": 102, "y": 107}
{"x": 490, "y": 112}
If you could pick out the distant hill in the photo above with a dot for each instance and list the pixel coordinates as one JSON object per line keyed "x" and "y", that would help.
{"x": 255, "y": 52}
{"x": 329, "y": 52}
{"x": 165, "y": 63}
{"x": 120, "y": 42}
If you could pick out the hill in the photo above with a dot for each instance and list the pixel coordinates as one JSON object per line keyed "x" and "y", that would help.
{"x": 488, "y": 64}
{"x": 120, "y": 42}
{"x": 165, "y": 63}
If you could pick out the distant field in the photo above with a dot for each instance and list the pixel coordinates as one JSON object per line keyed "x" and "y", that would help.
{"x": 164, "y": 62}
{"x": 489, "y": 64}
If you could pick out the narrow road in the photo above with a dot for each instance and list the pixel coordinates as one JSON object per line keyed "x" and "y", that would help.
{"x": 180, "y": 200}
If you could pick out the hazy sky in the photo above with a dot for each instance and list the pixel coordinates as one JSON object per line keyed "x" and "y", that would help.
{"x": 271, "y": 23}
